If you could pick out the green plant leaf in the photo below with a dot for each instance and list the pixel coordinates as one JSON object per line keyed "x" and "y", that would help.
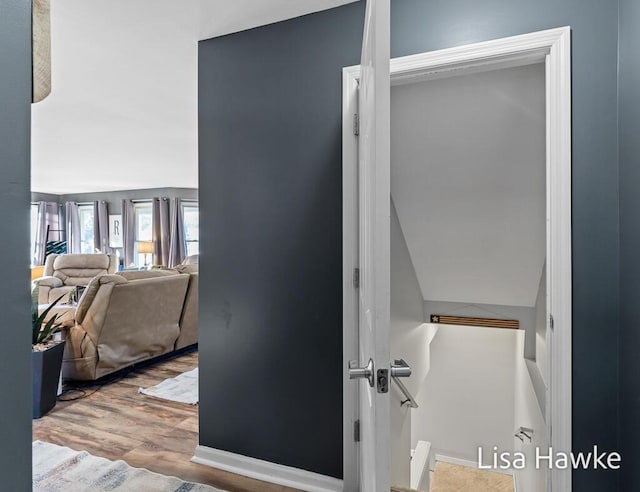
{"x": 42, "y": 331}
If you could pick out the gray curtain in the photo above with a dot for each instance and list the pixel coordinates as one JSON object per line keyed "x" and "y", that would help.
{"x": 101, "y": 226}
{"x": 48, "y": 215}
{"x": 128, "y": 232}
{"x": 161, "y": 232}
{"x": 72, "y": 214}
{"x": 178, "y": 248}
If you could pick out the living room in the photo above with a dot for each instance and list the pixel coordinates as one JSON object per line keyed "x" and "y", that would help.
{"x": 115, "y": 239}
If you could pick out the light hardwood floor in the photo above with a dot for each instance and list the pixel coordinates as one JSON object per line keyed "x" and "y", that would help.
{"x": 117, "y": 422}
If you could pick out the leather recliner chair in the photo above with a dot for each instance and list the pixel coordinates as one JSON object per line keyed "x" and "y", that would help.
{"x": 62, "y": 273}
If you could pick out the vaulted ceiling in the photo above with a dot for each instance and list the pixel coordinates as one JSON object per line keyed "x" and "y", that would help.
{"x": 468, "y": 183}
{"x": 122, "y": 113}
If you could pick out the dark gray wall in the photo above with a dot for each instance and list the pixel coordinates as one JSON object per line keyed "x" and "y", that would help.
{"x": 44, "y": 197}
{"x": 419, "y": 25}
{"x": 15, "y": 362}
{"x": 114, "y": 198}
{"x": 629, "y": 100}
{"x": 270, "y": 177}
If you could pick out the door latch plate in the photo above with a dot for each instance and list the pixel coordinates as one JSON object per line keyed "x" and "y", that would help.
{"x": 382, "y": 380}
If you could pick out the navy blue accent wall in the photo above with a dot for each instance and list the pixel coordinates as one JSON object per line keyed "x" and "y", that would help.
{"x": 15, "y": 362}
{"x": 629, "y": 101}
{"x": 270, "y": 202}
{"x": 271, "y": 236}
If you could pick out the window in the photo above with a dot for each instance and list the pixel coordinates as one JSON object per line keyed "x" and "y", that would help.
{"x": 34, "y": 233}
{"x": 143, "y": 225}
{"x": 87, "y": 228}
{"x": 52, "y": 222}
{"x": 191, "y": 216}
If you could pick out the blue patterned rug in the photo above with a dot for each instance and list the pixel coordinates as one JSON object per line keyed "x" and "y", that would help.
{"x": 60, "y": 469}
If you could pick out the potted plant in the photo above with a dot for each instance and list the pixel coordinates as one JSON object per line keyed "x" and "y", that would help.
{"x": 46, "y": 357}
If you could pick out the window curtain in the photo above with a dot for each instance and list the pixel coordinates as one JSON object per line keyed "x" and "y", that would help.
{"x": 72, "y": 214}
{"x": 128, "y": 232}
{"x": 101, "y": 227}
{"x": 178, "y": 247}
{"x": 48, "y": 216}
{"x": 161, "y": 231}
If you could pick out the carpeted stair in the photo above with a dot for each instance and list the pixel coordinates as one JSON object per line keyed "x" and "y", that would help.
{"x": 456, "y": 478}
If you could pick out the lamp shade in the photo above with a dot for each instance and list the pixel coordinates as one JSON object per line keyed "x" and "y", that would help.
{"x": 145, "y": 247}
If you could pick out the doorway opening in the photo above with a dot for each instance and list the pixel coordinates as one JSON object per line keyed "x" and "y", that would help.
{"x": 441, "y": 204}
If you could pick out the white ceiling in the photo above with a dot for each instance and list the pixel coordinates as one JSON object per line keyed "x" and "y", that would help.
{"x": 468, "y": 183}
{"x": 218, "y": 17}
{"x": 122, "y": 113}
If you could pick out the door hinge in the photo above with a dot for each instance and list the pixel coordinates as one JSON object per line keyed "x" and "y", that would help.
{"x": 356, "y": 278}
{"x": 551, "y": 321}
{"x": 356, "y": 124}
{"x": 356, "y": 431}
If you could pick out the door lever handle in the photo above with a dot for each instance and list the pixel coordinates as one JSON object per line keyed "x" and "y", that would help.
{"x": 400, "y": 369}
{"x": 366, "y": 372}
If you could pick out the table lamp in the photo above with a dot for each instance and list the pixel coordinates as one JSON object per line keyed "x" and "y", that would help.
{"x": 145, "y": 248}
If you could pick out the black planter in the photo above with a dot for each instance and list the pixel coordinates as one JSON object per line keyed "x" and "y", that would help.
{"x": 46, "y": 375}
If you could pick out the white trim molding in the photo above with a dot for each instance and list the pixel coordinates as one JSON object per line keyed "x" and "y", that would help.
{"x": 559, "y": 280}
{"x": 553, "y": 48}
{"x": 265, "y": 470}
{"x": 350, "y": 261}
{"x": 524, "y": 49}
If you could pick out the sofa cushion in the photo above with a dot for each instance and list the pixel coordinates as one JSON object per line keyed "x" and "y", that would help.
{"x": 78, "y": 269}
{"x": 191, "y": 260}
{"x": 190, "y": 268}
{"x": 64, "y": 292}
{"x": 73, "y": 276}
{"x": 138, "y": 274}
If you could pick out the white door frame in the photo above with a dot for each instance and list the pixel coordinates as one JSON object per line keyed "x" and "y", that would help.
{"x": 553, "y": 48}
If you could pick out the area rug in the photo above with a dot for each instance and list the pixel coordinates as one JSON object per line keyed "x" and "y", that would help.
{"x": 456, "y": 478}
{"x": 60, "y": 469}
{"x": 182, "y": 388}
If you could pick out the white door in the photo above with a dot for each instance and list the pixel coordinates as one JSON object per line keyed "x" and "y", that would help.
{"x": 374, "y": 206}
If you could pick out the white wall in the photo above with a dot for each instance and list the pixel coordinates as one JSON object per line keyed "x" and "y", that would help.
{"x": 123, "y": 107}
{"x": 541, "y": 325}
{"x": 524, "y": 314}
{"x": 528, "y": 414}
{"x": 468, "y": 180}
{"x": 408, "y": 341}
{"x": 124, "y": 102}
{"x": 468, "y": 396}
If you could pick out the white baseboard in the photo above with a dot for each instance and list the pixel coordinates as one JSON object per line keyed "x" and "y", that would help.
{"x": 266, "y": 471}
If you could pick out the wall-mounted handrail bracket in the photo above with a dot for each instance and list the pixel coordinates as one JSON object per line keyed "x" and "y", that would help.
{"x": 400, "y": 369}
{"x": 408, "y": 398}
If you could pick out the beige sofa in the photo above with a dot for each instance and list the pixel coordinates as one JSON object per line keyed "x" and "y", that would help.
{"x": 62, "y": 273}
{"x": 189, "y": 317}
{"x": 126, "y": 318}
